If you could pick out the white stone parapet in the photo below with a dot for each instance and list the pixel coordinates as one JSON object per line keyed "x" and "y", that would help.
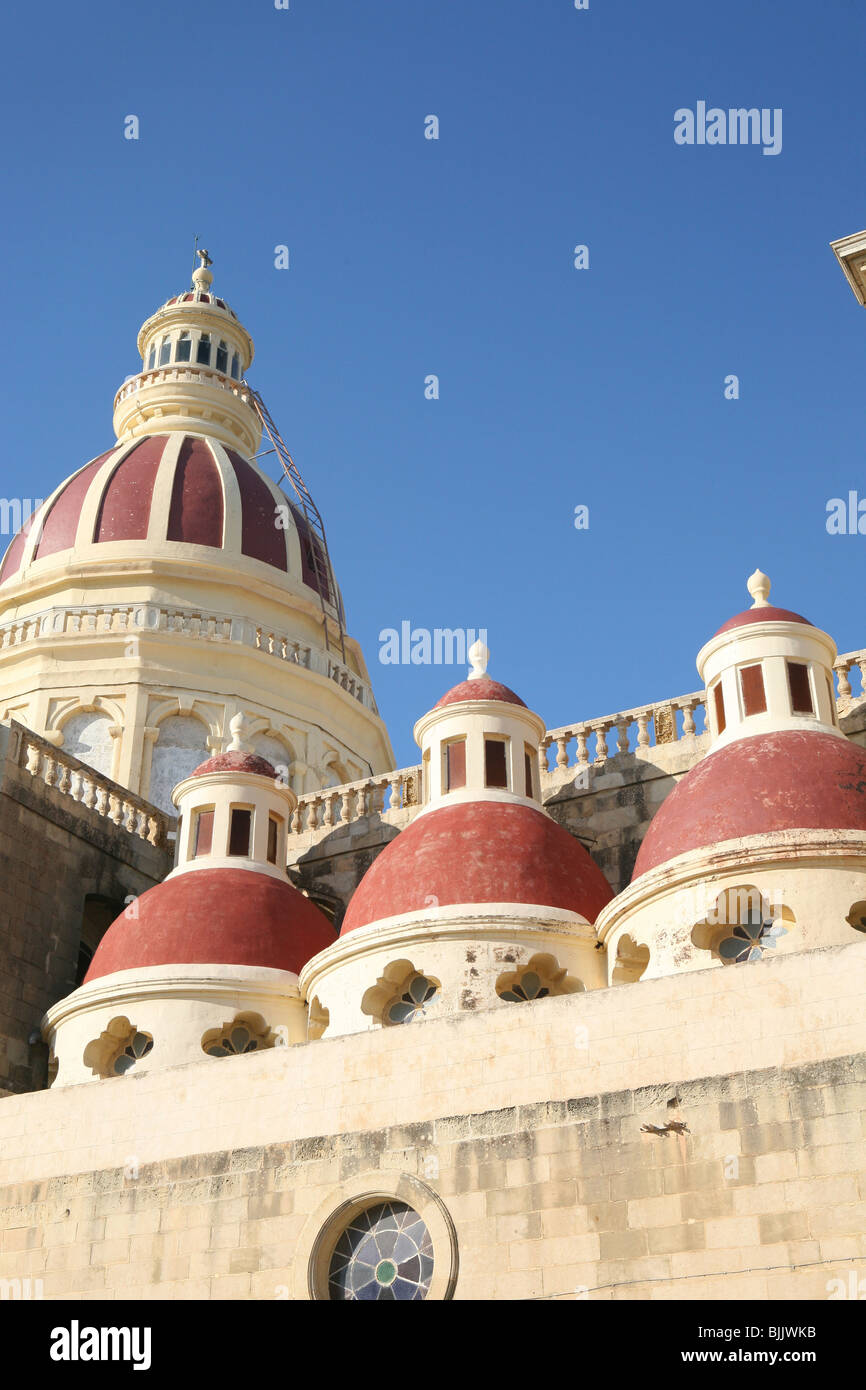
{"x": 82, "y": 784}
{"x": 213, "y": 627}
{"x": 372, "y": 796}
{"x": 639, "y": 732}
{"x": 185, "y": 373}
{"x": 647, "y": 726}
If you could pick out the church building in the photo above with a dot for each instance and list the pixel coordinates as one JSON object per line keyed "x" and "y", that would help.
{"x": 569, "y": 1013}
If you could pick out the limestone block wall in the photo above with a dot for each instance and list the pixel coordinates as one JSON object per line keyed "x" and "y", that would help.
{"x": 518, "y": 1134}
{"x": 54, "y": 854}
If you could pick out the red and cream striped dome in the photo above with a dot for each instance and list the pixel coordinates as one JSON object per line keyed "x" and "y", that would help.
{"x": 171, "y": 495}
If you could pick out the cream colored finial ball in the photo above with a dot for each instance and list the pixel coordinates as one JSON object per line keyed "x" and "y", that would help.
{"x": 202, "y": 278}
{"x": 479, "y": 656}
{"x": 238, "y": 728}
{"x": 759, "y": 587}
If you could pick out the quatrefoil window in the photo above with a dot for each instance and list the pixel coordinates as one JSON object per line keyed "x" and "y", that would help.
{"x": 413, "y": 1001}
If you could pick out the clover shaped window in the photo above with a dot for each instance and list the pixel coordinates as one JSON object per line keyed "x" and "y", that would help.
{"x": 540, "y": 977}
{"x": 742, "y": 925}
{"x": 245, "y": 1033}
{"x": 751, "y": 939}
{"x": 137, "y": 1047}
{"x": 528, "y": 986}
{"x": 413, "y": 1001}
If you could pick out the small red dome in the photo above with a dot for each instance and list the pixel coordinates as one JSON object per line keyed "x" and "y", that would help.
{"x": 479, "y": 852}
{"x": 237, "y": 762}
{"x": 791, "y": 780}
{"x": 215, "y": 917}
{"x": 762, "y": 615}
{"x": 482, "y": 688}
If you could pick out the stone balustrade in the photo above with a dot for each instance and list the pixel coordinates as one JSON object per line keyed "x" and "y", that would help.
{"x": 378, "y": 795}
{"x": 598, "y": 743}
{"x": 186, "y": 372}
{"x": 213, "y": 627}
{"x": 845, "y": 665}
{"x": 84, "y": 785}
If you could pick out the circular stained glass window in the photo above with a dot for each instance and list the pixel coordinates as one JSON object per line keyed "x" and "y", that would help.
{"x": 385, "y": 1252}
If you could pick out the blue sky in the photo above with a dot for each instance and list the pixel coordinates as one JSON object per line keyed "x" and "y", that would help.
{"x": 558, "y": 387}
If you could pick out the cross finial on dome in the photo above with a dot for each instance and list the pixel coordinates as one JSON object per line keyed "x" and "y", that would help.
{"x": 238, "y": 727}
{"x": 479, "y": 655}
{"x": 759, "y": 587}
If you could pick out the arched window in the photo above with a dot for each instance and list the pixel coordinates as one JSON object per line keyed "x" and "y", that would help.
{"x": 180, "y": 747}
{"x": 165, "y": 352}
{"x": 203, "y": 352}
{"x": 278, "y": 754}
{"x": 184, "y": 346}
{"x": 222, "y": 358}
{"x": 236, "y": 367}
{"x": 87, "y": 736}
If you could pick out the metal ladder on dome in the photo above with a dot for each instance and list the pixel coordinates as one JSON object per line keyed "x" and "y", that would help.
{"x": 317, "y": 545}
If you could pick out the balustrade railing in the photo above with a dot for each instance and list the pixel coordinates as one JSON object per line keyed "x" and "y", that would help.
{"x": 378, "y": 795}
{"x": 168, "y": 375}
{"x": 213, "y": 627}
{"x": 599, "y": 741}
{"x": 90, "y": 788}
{"x": 597, "y": 744}
{"x": 844, "y": 666}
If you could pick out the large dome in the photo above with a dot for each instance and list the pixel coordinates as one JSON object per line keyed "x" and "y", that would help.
{"x": 156, "y": 497}
{"x": 479, "y": 852}
{"x": 215, "y": 917}
{"x": 788, "y": 780}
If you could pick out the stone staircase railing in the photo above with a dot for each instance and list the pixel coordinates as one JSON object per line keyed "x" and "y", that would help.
{"x": 213, "y": 627}
{"x": 636, "y": 730}
{"x": 84, "y": 785}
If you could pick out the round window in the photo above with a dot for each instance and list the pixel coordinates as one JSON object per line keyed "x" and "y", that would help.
{"x": 385, "y": 1252}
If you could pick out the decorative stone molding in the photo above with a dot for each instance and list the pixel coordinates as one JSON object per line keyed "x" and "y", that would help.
{"x": 110, "y": 619}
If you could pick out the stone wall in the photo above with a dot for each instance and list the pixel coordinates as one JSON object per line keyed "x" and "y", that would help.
{"x": 517, "y": 1133}
{"x": 54, "y": 854}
